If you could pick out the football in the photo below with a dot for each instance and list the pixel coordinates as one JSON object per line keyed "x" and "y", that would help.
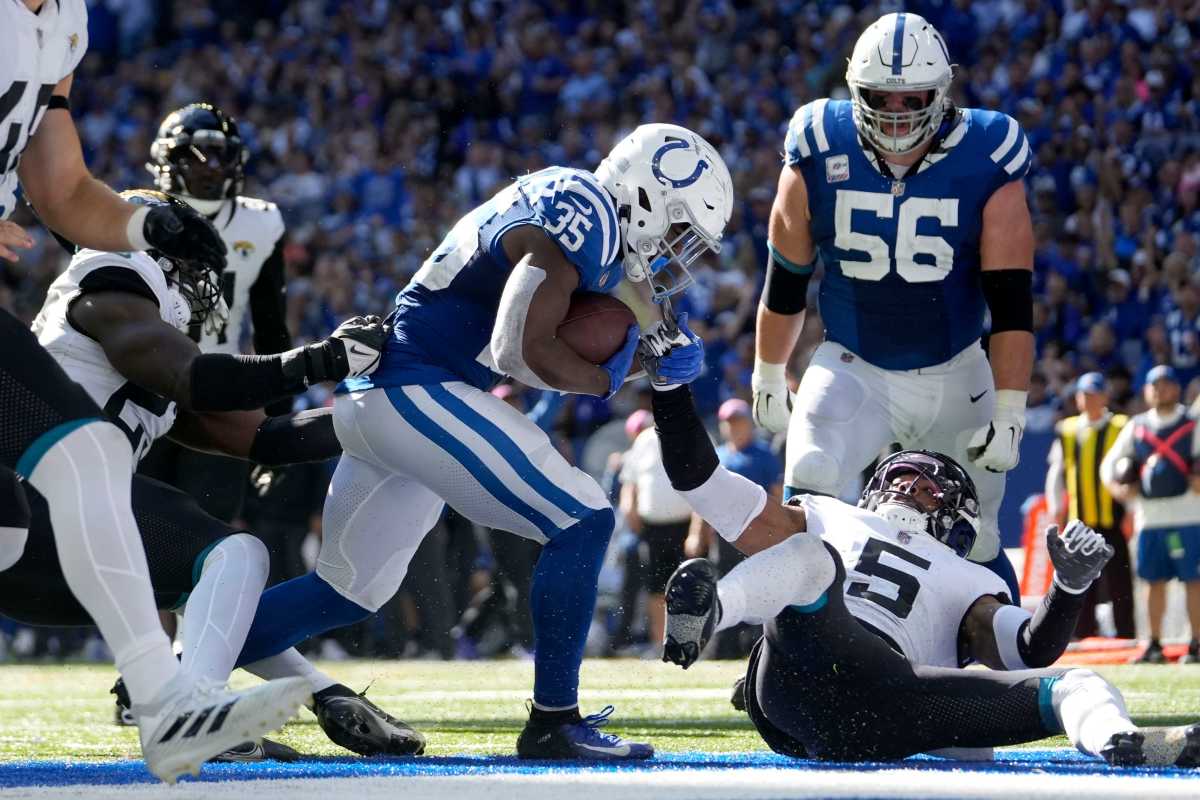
{"x": 595, "y": 325}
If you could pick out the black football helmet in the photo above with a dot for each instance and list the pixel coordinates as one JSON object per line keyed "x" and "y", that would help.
{"x": 955, "y": 520}
{"x": 198, "y": 154}
{"x": 198, "y": 280}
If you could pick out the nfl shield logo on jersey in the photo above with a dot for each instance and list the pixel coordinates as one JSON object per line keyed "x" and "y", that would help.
{"x": 837, "y": 169}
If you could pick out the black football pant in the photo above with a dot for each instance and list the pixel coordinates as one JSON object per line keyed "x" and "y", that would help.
{"x": 820, "y": 685}
{"x": 218, "y": 483}
{"x": 176, "y": 534}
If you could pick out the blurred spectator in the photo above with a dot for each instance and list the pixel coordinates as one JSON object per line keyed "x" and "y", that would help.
{"x": 659, "y": 515}
{"x": 1151, "y": 466}
{"x": 1074, "y": 475}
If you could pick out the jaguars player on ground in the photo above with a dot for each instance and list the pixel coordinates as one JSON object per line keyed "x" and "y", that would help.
{"x": 918, "y": 213}
{"x": 116, "y": 323}
{"x": 198, "y": 156}
{"x": 51, "y": 424}
{"x": 868, "y": 612}
{"x": 423, "y": 430}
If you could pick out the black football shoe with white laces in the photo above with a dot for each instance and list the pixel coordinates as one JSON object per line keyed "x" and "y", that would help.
{"x": 693, "y": 611}
{"x": 352, "y": 721}
{"x": 1177, "y": 746}
{"x": 578, "y": 738}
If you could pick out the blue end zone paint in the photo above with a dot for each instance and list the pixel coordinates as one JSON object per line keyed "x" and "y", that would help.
{"x": 62, "y": 773}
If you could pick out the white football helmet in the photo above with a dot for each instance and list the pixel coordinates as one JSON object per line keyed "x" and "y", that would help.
{"x": 674, "y": 198}
{"x": 899, "y": 53}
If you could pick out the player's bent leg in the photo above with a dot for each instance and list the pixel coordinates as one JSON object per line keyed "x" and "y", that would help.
{"x": 838, "y": 425}
{"x": 374, "y": 520}
{"x": 498, "y": 469}
{"x": 14, "y": 519}
{"x": 85, "y": 477}
{"x": 221, "y": 606}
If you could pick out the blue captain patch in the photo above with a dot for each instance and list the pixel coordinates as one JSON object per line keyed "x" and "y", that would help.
{"x": 901, "y": 286}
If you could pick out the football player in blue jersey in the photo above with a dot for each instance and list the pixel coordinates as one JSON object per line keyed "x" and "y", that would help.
{"x": 424, "y": 431}
{"x": 918, "y": 213}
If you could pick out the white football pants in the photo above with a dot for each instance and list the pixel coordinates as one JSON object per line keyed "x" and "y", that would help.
{"x": 847, "y": 410}
{"x": 409, "y": 448}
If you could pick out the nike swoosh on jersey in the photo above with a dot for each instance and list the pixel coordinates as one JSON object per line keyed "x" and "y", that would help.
{"x": 975, "y": 397}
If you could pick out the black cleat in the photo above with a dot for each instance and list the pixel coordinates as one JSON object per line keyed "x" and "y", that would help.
{"x": 578, "y": 739}
{"x": 1124, "y": 750}
{"x": 1155, "y": 747}
{"x": 693, "y": 611}
{"x": 266, "y": 750}
{"x": 352, "y": 721}
{"x": 738, "y": 698}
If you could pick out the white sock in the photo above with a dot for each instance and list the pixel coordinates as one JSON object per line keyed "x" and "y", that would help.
{"x": 221, "y": 606}
{"x": 1090, "y": 709}
{"x": 795, "y": 572}
{"x": 287, "y": 664}
{"x": 85, "y": 479}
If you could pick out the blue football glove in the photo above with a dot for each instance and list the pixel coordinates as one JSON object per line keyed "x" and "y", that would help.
{"x": 671, "y": 354}
{"x": 618, "y": 366}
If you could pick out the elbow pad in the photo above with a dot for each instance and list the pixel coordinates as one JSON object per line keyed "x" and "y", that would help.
{"x": 1009, "y": 296}
{"x": 1008, "y": 626}
{"x": 786, "y": 287}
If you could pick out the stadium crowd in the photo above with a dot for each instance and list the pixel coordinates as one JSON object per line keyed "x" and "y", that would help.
{"x": 375, "y": 125}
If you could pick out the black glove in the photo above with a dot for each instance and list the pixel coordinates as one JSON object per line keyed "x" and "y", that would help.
{"x": 1078, "y": 556}
{"x": 183, "y": 233}
{"x": 352, "y": 350}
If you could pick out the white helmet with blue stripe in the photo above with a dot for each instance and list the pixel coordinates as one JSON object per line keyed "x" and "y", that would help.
{"x": 899, "y": 53}
{"x": 674, "y": 197}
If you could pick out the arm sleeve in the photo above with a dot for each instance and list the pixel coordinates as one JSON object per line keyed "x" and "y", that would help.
{"x": 1046, "y": 636}
{"x": 296, "y": 438}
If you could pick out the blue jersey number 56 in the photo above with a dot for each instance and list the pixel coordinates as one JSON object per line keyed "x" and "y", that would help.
{"x": 908, "y": 243}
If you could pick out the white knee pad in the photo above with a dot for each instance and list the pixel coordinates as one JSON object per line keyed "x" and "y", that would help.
{"x": 12, "y": 545}
{"x": 246, "y": 549}
{"x": 815, "y": 471}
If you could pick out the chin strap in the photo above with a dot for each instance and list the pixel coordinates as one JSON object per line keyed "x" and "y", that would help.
{"x": 906, "y": 519}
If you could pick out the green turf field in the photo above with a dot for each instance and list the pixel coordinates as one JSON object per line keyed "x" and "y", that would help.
{"x": 64, "y": 711}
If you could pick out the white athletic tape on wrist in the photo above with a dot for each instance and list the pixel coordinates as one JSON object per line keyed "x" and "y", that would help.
{"x": 1006, "y": 626}
{"x": 728, "y": 502}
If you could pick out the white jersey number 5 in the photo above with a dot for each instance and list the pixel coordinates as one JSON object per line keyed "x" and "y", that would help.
{"x": 908, "y": 243}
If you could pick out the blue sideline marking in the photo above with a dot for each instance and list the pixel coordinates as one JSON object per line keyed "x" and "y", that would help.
{"x": 64, "y": 773}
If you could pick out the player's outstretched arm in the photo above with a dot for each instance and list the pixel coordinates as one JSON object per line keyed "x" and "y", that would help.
{"x": 781, "y": 309}
{"x": 1006, "y": 259}
{"x": 251, "y": 435}
{"x": 1003, "y": 636}
{"x": 80, "y": 208}
{"x": 737, "y": 509}
{"x": 154, "y": 355}
{"x": 525, "y": 341}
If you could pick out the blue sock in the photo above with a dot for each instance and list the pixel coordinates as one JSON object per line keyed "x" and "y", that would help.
{"x": 1004, "y": 568}
{"x": 562, "y": 601}
{"x": 292, "y": 611}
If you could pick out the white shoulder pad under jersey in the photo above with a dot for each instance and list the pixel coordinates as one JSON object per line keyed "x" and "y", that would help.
{"x": 36, "y": 52}
{"x": 142, "y": 415}
{"x": 251, "y": 229}
{"x": 912, "y": 589}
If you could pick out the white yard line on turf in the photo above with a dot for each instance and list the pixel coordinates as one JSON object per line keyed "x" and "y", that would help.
{"x": 672, "y": 785}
